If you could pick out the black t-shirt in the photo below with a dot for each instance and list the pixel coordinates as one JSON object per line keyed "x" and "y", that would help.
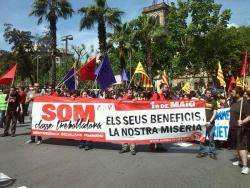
{"x": 235, "y": 113}
{"x": 13, "y": 102}
{"x": 246, "y": 108}
{"x": 211, "y": 105}
{"x": 246, "y": 112}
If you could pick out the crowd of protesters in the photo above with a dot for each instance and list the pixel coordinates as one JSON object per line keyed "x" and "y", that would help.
{"x": 17, "y": 103}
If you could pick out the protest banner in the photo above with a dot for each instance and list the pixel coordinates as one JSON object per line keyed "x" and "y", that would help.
{"x": 117, "y": 121}
{"x": 222, "y": 124}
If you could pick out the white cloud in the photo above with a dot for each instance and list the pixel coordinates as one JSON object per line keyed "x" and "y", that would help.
{"x": 232, "y": 25}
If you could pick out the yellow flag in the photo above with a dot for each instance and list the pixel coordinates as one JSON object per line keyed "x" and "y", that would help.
{"x": 139, "y": 69}
{"x": 220, "y": 76}
{"x": 187, "y": 87}
{"x": 164, "y": 78}
{"x": 144, "y": 80}
{"x": 240, "y": 82}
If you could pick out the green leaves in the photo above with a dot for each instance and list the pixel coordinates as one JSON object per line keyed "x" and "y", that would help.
{"x": 101, "y": 14}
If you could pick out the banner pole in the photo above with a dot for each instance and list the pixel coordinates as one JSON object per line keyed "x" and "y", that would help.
{"x": 130, "y": 81}
{"x": 61, "y": 83}
{"x": 241, "y": 103}
{"x": 225, "y": 93}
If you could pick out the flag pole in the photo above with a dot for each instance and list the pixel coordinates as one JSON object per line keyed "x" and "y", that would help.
{"x": 225, "y": 93}
{"x": 95, "y": 81}
{"x": 130, "y": 81}
{"x": 241, "y": 102}
{"x": 61, "y": 83}
{"x": 244, "y": 81}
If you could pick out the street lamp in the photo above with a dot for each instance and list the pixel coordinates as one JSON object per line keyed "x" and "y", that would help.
{"x": 66, "y": 38}
{"x": 37, "y": 61}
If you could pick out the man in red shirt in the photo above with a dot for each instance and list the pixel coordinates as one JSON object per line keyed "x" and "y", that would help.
{"x": 164, "y": 94}
{"x": 128, "y": 96}
{"x": 22, "y": 96}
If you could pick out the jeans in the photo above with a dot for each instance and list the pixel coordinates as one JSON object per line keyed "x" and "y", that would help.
{"x": 211, "y": 144}
{"x": 11, "y": 117}
{"x": 2, "y": 118}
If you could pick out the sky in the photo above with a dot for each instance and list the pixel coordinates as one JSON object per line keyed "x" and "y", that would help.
{"x": 17, "y": 12}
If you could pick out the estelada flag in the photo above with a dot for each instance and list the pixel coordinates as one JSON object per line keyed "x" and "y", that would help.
{"x": 220, "y": 76}
{"x": 187, "y": 87}
{"x": 144, "y": 80}
{"x": 243, "y": 71}
{"x": 9, "y": 76}
{"x": 240, "y": 82}
{"x": 139, "y": 69}
{"x": 87, "y": 71}
{"x": 164, "y": 78}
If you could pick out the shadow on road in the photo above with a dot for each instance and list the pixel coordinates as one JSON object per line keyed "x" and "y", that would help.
{"x": 169, "y": 148}
{"x": 23, "y": 134}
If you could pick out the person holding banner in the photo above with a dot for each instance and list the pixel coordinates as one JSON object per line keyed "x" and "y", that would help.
{"x": 129, "y": 96}
{"x": 211, "y": 109}
{"x": 238, "y": 134}
{"x": 164, "y": 94}
{"x": 13, "y": 106}
{"x": 87, "y": 145}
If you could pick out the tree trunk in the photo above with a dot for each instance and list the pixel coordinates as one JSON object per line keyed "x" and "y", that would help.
{"x": 149, "y": 58}
{"x": 53, "y": 49}
{"x": 31, "y": 80}
{"x": 122, "y": 57}
{"x": 102, "y": 36}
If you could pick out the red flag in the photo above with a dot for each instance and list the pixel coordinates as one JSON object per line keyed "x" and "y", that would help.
{"x": 87, "y": 71}
{"x": 8, "y": 77}
{"x": 244, "y": 66}
{"x": 231, "y": 84}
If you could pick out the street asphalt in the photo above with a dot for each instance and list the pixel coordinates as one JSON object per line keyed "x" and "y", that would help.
{"x": 59, "y": 163}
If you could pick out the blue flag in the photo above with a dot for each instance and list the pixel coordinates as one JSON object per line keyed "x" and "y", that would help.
{"x": 104, "y": 74}
{"x": 70, "y": 79}
{"x": 124, "y": 76}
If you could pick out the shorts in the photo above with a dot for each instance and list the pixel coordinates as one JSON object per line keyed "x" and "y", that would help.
{"x": 239, "y": 138}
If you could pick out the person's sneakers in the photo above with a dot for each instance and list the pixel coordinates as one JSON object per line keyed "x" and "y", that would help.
{"x": 39, "y": 142}
{"x": 86, "y": 148}
{"x": 81, "y": 146}
{"x": 200, "y": 155}
{"x": 133, "y": 152}
{"x": 160, "y": 149}
{"x": 236, "y": 163}
{"x": 30, "y": 141}
{"x": 122, "y": 151}
{"x": 213, "y": 156}
{"x": 4, "y": 135}
{"x": 244, "y": 170}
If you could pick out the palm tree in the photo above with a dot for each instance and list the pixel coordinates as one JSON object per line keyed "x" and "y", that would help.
{"x": 145, "y": 30}
{"x": 51, "y": 10}
{"x": 101, "y": 14}
{"x": 121, "y": 38}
